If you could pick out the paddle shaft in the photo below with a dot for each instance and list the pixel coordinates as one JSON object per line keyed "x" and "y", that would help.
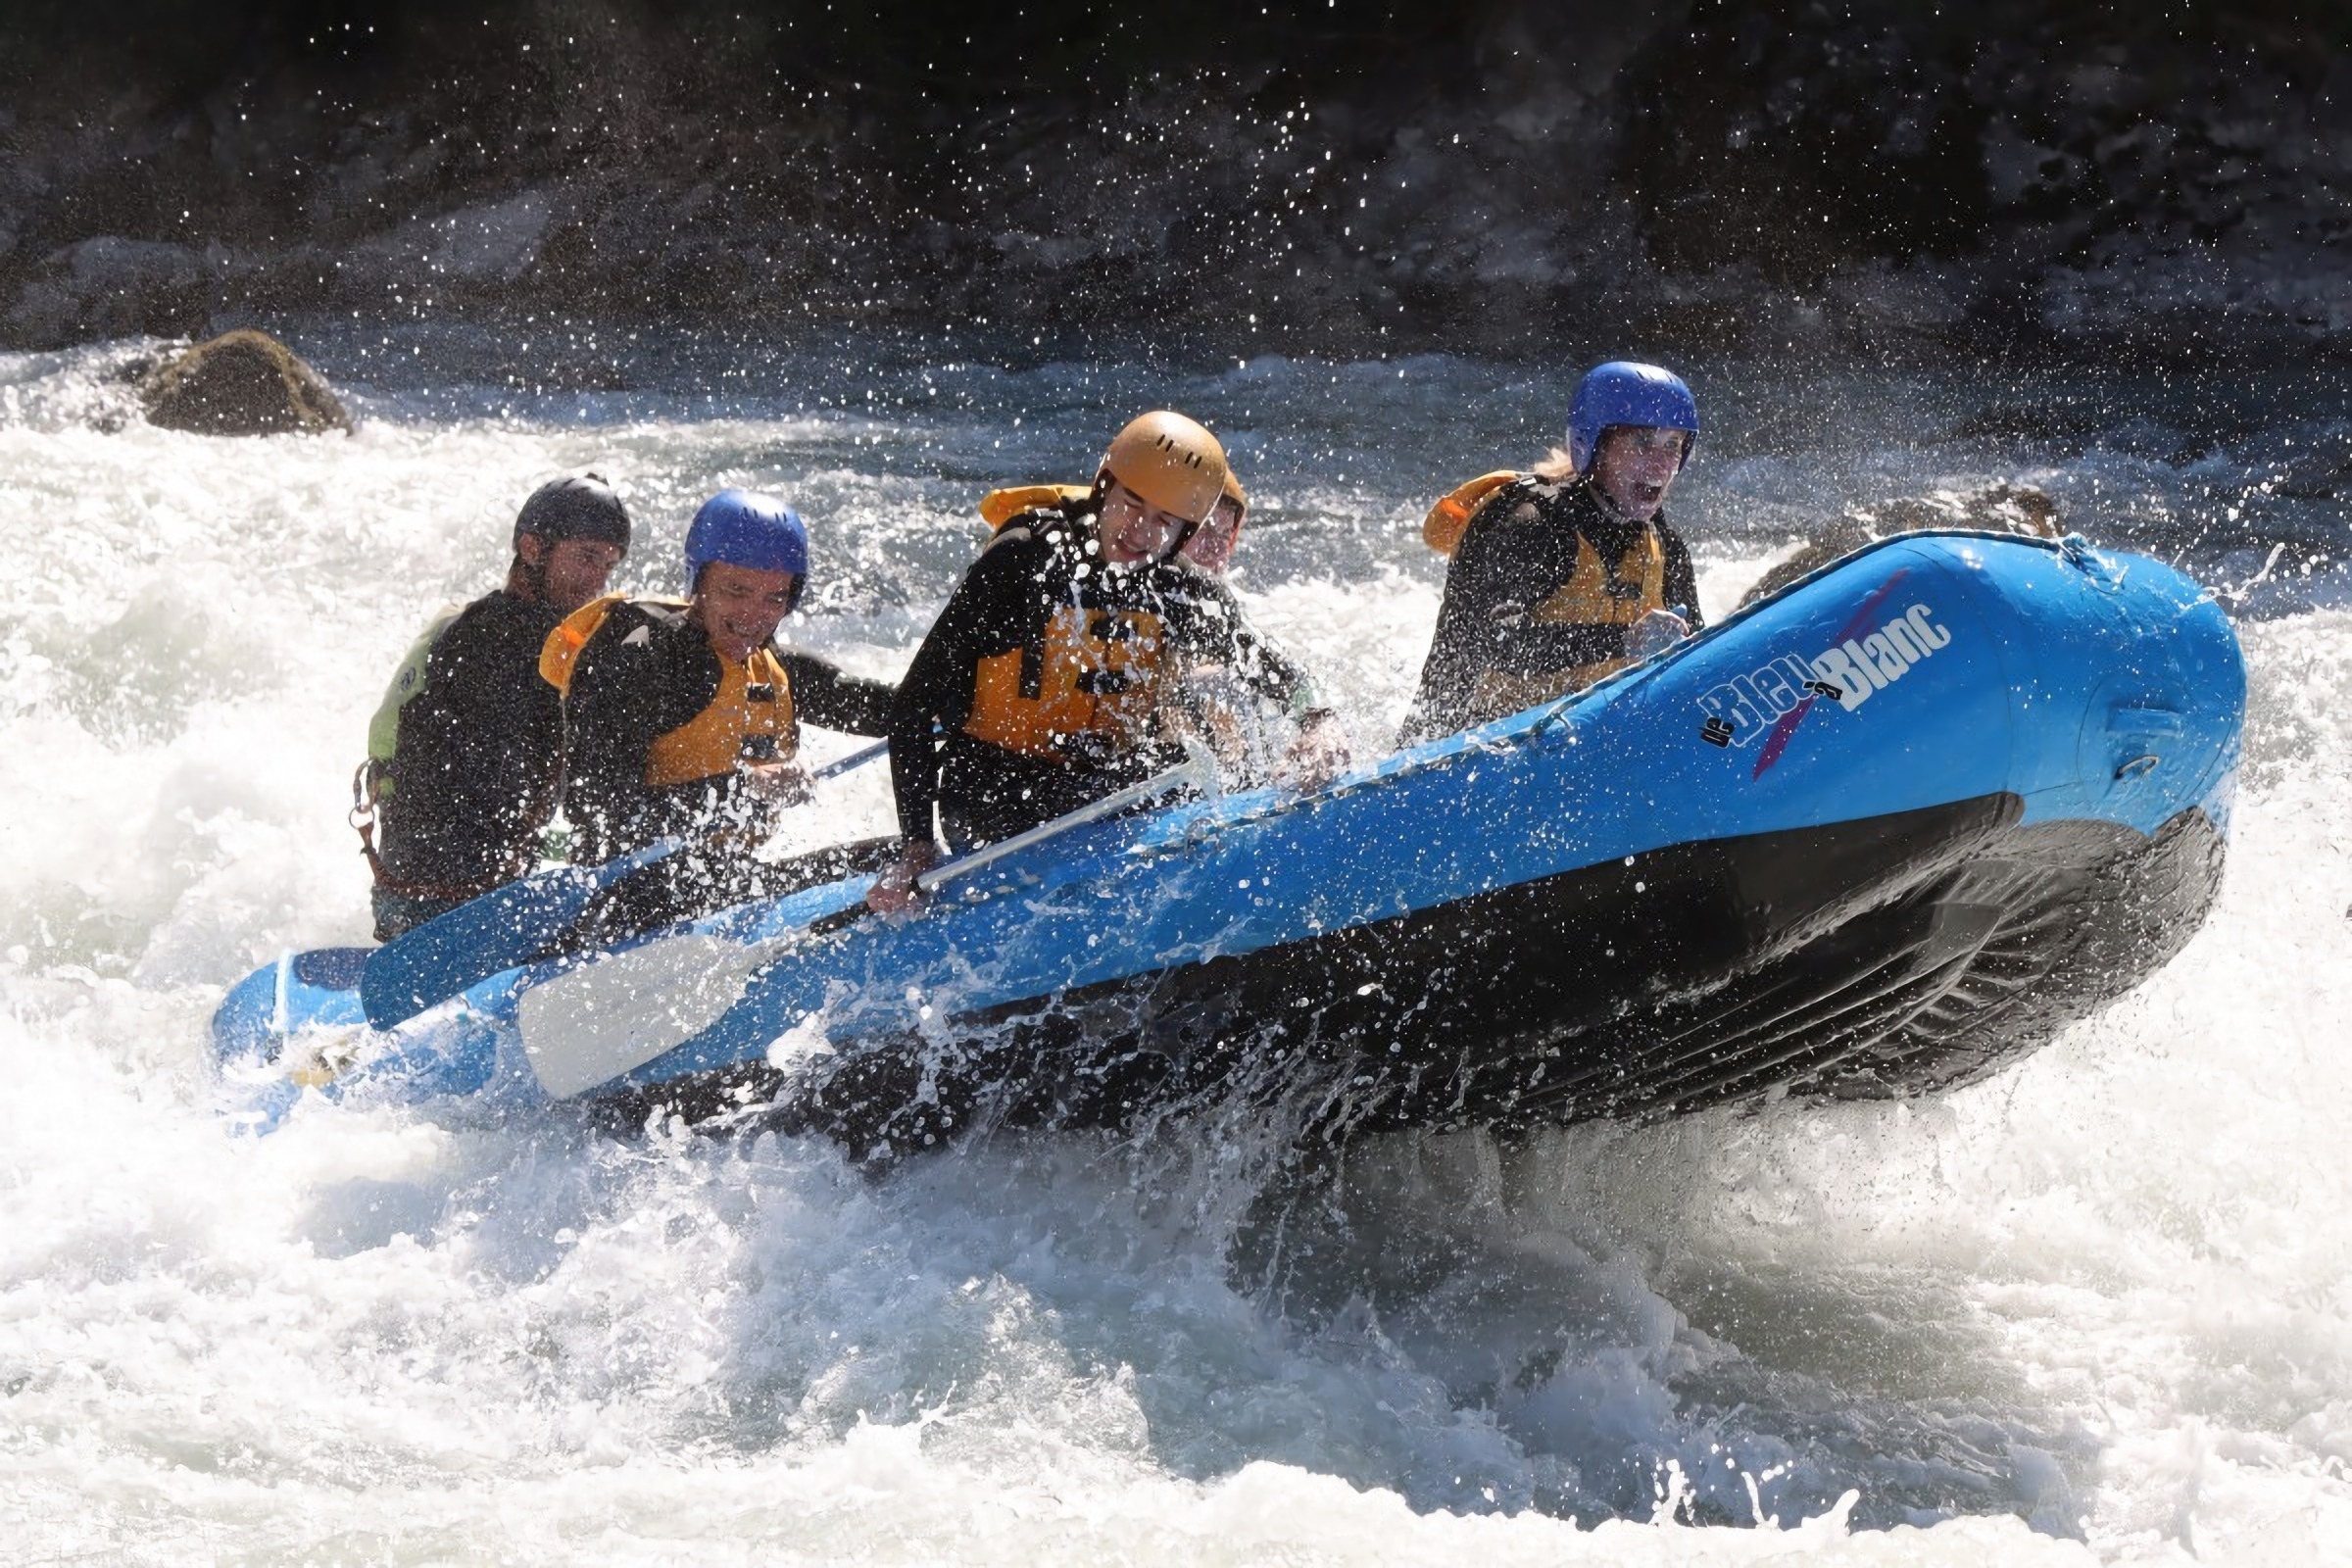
{"x": 857, "y": 759}
{"x": 615, "y": 1014}
{"x": 1185, "y": 774}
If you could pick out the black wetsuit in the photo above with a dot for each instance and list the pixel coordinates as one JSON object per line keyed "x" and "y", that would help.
{"x": 1040, "y": 582}
{"x": 626, "y": 691}
{"x": 1518, "y": 550}
{"x": 479, "y": 760}
{"x": 628, "y": 688}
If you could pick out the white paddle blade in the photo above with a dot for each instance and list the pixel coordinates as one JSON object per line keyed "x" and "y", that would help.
{"x": 613, "y": 1015}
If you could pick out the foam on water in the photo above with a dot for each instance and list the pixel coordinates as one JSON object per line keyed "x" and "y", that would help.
{"x": 2094, "y": 1310}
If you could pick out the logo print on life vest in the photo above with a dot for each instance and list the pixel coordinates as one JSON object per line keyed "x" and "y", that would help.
{"x": 1862, "y": 664}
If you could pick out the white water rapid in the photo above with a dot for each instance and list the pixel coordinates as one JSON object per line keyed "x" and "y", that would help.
{"x": 2096, "y": 1309}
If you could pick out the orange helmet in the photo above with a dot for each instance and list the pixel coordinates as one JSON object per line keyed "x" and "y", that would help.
{"x": 1171, "y": 462}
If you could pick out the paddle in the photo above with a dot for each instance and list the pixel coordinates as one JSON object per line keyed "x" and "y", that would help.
{"x": 1197, "y": 770}
{"x": 509, "y": 927}
{"x": 615, "y": 1014}
{"x": 857, "y": 759}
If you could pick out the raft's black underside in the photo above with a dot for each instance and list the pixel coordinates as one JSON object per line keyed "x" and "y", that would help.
{"x": 1892, "y": 955}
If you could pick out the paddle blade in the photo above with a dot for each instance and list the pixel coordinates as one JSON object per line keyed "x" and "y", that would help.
{"x": 501, "y": 929}
{"x": 617, "y": 1013}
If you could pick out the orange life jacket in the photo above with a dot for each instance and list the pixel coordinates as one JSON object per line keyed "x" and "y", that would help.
{"x": 1441, "y": 530}
{"x": 1097, "y": 673}
{"x": 999, "y": 506}
{"x": 754, "y": 698}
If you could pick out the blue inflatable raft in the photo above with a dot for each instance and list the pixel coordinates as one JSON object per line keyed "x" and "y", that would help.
{"x": 1877, "y": 835}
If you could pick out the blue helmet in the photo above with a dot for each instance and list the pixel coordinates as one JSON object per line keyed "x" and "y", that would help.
{"x": 745, "y": 528}
{"x": 1626, "y": 392}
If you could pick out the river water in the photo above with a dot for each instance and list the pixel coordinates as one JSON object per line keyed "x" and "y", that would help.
{"x": 2097, "y": 1309}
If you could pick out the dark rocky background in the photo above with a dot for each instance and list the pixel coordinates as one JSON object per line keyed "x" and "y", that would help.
{"x": 2166, "y": 180}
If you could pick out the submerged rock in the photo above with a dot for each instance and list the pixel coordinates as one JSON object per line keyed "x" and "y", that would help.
{"x": 241, "y": 383}
{"x": 1998, "y": 508}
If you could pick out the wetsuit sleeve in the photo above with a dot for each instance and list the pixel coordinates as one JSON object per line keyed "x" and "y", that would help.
{"x": 624, "y": 695}
{"x": 1682, "y": 578}
{"x": 1218, "y": 631}
{"x": 1482, "y": 603}
{"x": 829, "y": 697}
{"x": 982, "y": 617}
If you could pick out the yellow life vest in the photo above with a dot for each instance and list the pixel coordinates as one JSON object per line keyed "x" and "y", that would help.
{"x": 754, "y": 698}
{"x": 1592, "y": 596}
{"x": 1441, "y": 530}
{"x": 999, "y": 506}
{"x": 1096, "y": 674}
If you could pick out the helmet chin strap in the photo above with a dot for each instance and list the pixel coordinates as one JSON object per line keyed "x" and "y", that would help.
{"x": 1609, "y": 501}
{"x": 533, "y": 577}
{"x": 1104, "y": 479}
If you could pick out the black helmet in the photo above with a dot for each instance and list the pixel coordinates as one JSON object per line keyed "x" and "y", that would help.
{"x": 584, "y": 507}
